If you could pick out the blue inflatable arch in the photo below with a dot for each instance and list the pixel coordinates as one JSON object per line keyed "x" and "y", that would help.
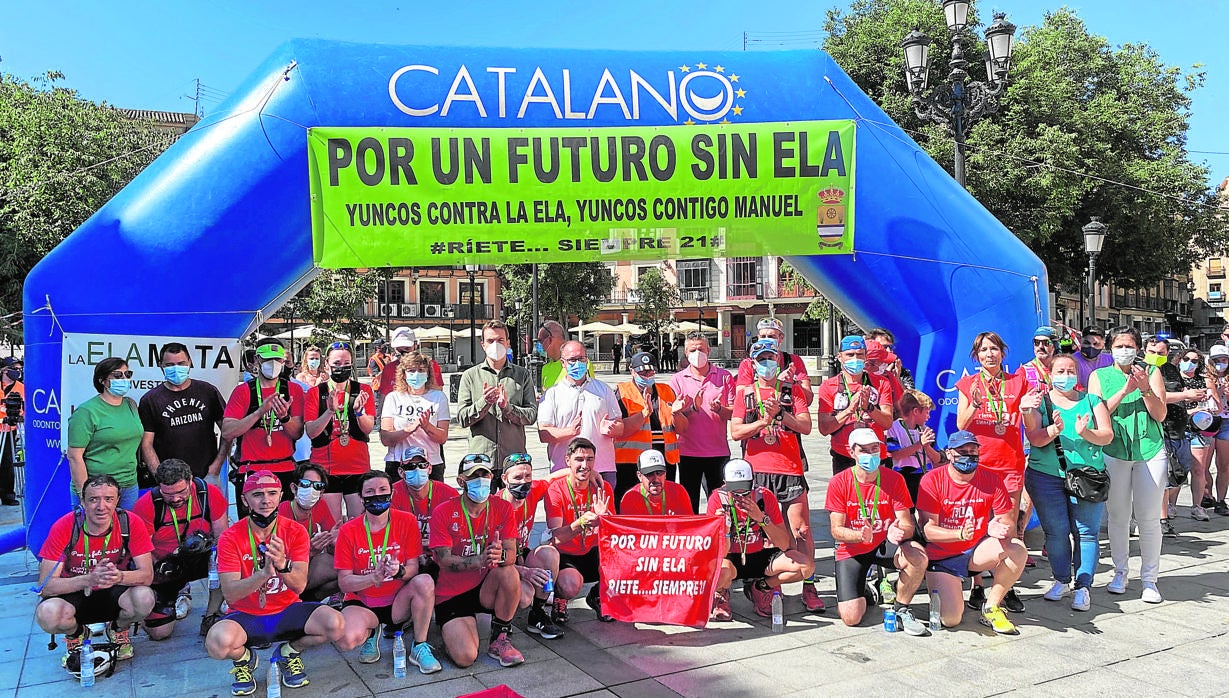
{"x": 215, "y": 235}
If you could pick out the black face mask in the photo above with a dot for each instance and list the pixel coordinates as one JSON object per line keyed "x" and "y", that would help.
{"x": 377, "y": 504}
{"x": 342, "y": 374}
{"x": 520, "y": 491}
{"x": 12, "y": 374}
{"x": 1089, "y": 351}
{"x": 261, "y": 521}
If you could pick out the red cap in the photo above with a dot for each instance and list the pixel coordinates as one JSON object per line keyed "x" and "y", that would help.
{"x": 261, "y": 480}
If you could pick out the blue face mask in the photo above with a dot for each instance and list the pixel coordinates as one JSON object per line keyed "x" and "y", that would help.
{"x": 120, "y": 386}
{"x": 175, "y": 375}
{"x": 767, "y": 369}
{"x": 1064, "y": 383}
{"x": 578, "y": 370}
{"x": 377, "y": 504}
{"x": 1187, "y": 366}
{"x": 854, "y": 366}
{"x": 313, "y": 364}
{"x": 416, "y": 379}
{"x": 416, "y": 478}
{"x": 478, "y": 489}
{"x": 247, "y": 376}
{"x": 642, "y": 382}
{"x": 965, "y": 464}
{"x": 868, "y": 461}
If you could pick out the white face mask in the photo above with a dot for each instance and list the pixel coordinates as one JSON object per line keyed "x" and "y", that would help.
{"x": 270, "y": 369}
{"x": 698, "y": 359}
{"x": 307, "y": 496}
{"x": 496, "y": 351}
{"x": 1124, "y": 356}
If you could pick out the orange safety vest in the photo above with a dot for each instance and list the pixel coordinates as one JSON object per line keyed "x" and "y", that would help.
{"x": 378, "y": 360}
{"x": 629, "y": 446}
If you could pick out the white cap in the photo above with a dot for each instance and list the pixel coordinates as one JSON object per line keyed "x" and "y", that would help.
{"x": 1218, "y": 350}
{"x": 739, "y": 471}
{"x": 403, "y": 337}
{"x": 651, "y": 461}
{"x": 863, "y": 437}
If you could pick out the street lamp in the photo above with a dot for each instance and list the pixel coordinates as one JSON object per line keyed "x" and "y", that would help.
{"x": 1094, "y": 237}
{"x": 960, "y": 102}
{"x": 700, "y": 309}
{"x": 470, "y": 269}
{"x": 520, "y": 338}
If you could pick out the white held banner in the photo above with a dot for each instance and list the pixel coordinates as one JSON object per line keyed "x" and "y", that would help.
{"x": 214, "y": 361}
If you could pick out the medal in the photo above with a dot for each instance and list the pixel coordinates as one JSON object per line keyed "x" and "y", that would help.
{"x": 770, "y": 437}
{"x": 1000, "y": 429}
{"x": 344, "y": 439}
{"x": 262, "y": 600}
{"x": 268, "y": 438}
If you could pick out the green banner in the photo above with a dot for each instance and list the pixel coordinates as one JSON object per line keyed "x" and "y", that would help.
{"x": 443, "y": 196}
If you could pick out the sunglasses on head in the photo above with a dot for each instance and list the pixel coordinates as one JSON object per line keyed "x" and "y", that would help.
{"x": 476, "y": 458}
{"x": 121, "y": 374}
{"x": 415, "y": 465}
{"x": 314, "y": 484}
{"x": 518, "y": 458}
{"x": 340, "y": 345}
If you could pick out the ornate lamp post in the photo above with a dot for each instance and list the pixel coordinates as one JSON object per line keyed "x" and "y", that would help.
{"x": 1094, "y": 237}
{"x": 470, "y": 269}
{"x": 959, "y": 103}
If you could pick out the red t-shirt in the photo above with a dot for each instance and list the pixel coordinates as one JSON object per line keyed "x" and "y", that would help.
{"x": 569, "y": 504}
{"x": 954, "y": 502}
{"x": 178, "y": 524}
{"x": 436, "y": 494}
{"x": 104, "y": 548}
{"x": 746, "y": 373}
{"x": 892, "y": 495}
{"x": 450, "y": 529}
{"x": 675, "y": 502}
{"x": 745, "y": 536}
{"x": 1003, "y": 453}
{"x": 353, "y": 553}
{"x": 235, "y": 555}
{"x": 319, "y": 518}
{"x": 526, "y": 511}
{"x": 783, "y": 456}
{"x": 834, "y": 395}
{"x": 352, "y": 459}
{"x": 253, "y": 445}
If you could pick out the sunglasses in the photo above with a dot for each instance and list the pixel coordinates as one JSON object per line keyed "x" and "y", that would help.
{"x": 415, "y": 465}
{"x": 518, "y": 459}
{"x": 340, "y": 345}
{"x": 476, "y": 458}
{"x": 314, "y": 484}
{"x": 1042, "y": 342}
{"x": 121, "y": 374}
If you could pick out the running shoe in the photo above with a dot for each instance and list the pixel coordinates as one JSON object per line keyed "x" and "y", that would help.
{"x": 294, "y": 674}
{"x": 1029, "y": 561}
{"x": 539, "y": 623}
{"x": 245, "y": 674}
{"x": 1200, "y": 514}
{"x": 977, "y": 597}
{"x": 872, "y": 594}
{"x": 912, "y": 626}
{"x": 72, "y": 645}
{"x": 122, "y": 642}
{"x": 594, "y": 600}
{"x": 1151, "y": 594}
{"x": 207, "y": 622}
{"x": 369, "y": 653}
{"x": 501, "y": 648}
{"x": 423, "y": 656}
{"x": 1207, "y": 502}
{"x": 721, "y": 606}
{"x": 810, "y": 599}
{"x": 1118, "y": 585}
{"x": 1056, "y": 592}
{"x": 761, "y": 599}
{"x": 1221, "y": 508}
{"x": 1012, "y": 602}
{"x": 559, "y": 612}
{"x": 1080, "y": 601}
{"x": 1167, "y": 527}
{"x": 887, "y": 590}
{"x": 183, "y": 603}
{"x": 994, "y": 618}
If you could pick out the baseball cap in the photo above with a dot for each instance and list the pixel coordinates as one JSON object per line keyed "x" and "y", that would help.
{"x": 651, "y": 461}
{"x": 1045, "y": 331}
{"x": 762, "y": 346}
{"x": 261, "y": 480}
{"x": 270, "y": 349}
{"x": 863, "y": 437}
{"x": 475, "y": 462}
{"x": 852, "y": 341}
{"x": 876, "y": 352}
{"x": 960, "y": 438}
{"x": 1093, "y": 332}
{"x": 404, "y": 337}
{"x": 738, "y": 475}
{"x": 1218, "y": 350}
{"x": 770, "y": 323}
{"x": 414, "y": 453}
{"x": 642, "y": 361}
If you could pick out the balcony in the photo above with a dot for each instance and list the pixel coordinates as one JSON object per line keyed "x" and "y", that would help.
{"x": 1216, "y": 271}
{"x": 425, "y": 311}
{"x": 1216, "y": 299}
{"x": 745, "y": 292}
{"x": 794, "y": 291}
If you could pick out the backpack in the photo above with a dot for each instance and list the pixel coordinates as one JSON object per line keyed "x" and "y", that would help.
{"x": 283, "y": 389}
{"x": 202, "y": 496}
{"x": 106, "y": 652}
{"x": 322, "y": 439}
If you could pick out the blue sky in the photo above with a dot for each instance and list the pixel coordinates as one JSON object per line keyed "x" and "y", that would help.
{"x": 147, "y": 54}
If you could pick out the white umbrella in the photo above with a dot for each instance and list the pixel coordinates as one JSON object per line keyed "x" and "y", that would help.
{"x": 689, "y": 326}
{"x": 433, "y": 334}
{"x": 305, "y": 331}
{"x": 595, "y": 328}
{"x": 628, "y": 328}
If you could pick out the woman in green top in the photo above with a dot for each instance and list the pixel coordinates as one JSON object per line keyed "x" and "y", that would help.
{"x": 1081, "y": 424}
{"x": 105, "y": 432}
{"x": 1135, "y": 460}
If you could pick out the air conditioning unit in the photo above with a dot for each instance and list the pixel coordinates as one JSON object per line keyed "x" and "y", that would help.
{"x": 432, "y": 311}
{"x": 409, "y": 310}
{"x": 389, "y": 309}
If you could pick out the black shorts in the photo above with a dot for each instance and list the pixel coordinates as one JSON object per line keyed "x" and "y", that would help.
{"x": 913, "y": 481}
{"x": 165, "y": 596}
{"x": 287, "y": 626}
{"x": 589, "y": 564}
{"x": 956, "y": 565}
{"x": 464, "y": 605}
{"x": 102, "y": 605}
{"x": 344, "y": 484}
{"x": 756, "y": 565}
{"x": 851, "y": 572}
{"x": 787, "y": 488}
{"x": 384, "y": 614}
{"x": 840, "y": 462}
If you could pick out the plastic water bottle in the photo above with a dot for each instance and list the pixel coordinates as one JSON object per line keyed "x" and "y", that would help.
{"x": 87, "y": 662}
{"x": 274, "y": 688}
{"x": 549, "y": 588}
{"x": 936, "y": 614}
{"x": 398, "y": 655}
{"x": 213, "y": 570}
{"x": 778, "y": 612}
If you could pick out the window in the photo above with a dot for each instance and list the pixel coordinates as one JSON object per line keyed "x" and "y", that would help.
{"x": 693, "y": 274}
{"x": 478, "y": 292}
{"x": 1216, "y": 268}
{"x": 743, "y": 274}
{"x": 396, "y": 291}
{"x": 431, "y": 292}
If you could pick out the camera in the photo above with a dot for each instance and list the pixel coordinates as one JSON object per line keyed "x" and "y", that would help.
{"x": 13, "y": 406}
{"x": 191, "y": 553}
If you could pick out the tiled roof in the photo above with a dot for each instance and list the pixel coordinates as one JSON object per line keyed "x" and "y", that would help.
{"x": 170, "y": 117}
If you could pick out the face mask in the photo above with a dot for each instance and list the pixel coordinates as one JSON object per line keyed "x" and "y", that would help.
{"x": 1124, "y": 356}
{"x": 416, "y": 478}
{"x": 12, "y": 374}
{"x": 854, "y": 366}
{"x": 520, "y": 491}
{"x": 247, "y": 376}
{"x": 771, "y": 340}
{"x": 698, "y": 359}
{"x": 263, "y": 521}
{"x": 307, "y": 496}
{"x": 340, "y": 374}
{"x": 1155, "y": 359}
{"x": 965, "y": 464}
{"x": 175, "y": 375}
{"x": 578, "y": 370}
{"x": 120, "y": 386}
{"x": 377, "y": 504}
{"x": 478, "y": 489}
{"x": 496, "y": 351}
{"x": 868, "y": 461}
{"x": 1220, "y": 366}
{"x": 1090, "y": 352}
{"x": 313, "y": 364}
{"x": 270, "y": 369}
{"x": 1064, "y": 383}
{"x": 1187, "y": 366}
{"x": 641, "y": 382}
{"x": 416, "y": 379}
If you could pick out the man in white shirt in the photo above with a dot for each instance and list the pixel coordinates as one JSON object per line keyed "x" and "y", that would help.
{"x": 578, "y": 405}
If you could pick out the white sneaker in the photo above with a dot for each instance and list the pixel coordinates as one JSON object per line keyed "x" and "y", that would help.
{"x": 1056, "y": 592}
{"x": 1118, "y": 585}
{"x": 1081, "y": 601}
{"x": 1151, "y": 594}
{"x": 1199, "y": 514}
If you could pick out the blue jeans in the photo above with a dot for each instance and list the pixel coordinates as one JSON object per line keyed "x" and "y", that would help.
{"x": 1064, "y": 518}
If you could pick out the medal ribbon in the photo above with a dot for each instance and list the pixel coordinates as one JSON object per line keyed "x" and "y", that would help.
{"x": 576, "y": 512}
{"x": 469, "y": 525}
{"x": 106, "y": 543}
{"x": 371, "y": 549}
{"x": 644, "y": 493}
{"x": 430, "y": 494}
{"x": 187, "y": 521}
{"x": 342, "y": 414}
{"x": 997, "y": 403}
{"x": 860, "y": 415}
{"x": 873, "y": 515}
{"x": 260, "y": 400}
{"x": 759, "y": 404}
{"x": 746, "y": 532}
{"x": 252, "y": 543}
{"x": 1041, "y": 371}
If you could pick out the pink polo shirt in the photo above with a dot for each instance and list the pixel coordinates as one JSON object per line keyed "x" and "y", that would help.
{"x": 706, "y": 433}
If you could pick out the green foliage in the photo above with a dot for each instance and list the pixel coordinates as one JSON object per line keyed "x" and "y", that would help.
{"x": 656, "y": 298}
{"x": 794, "y": 283}
{"x": 1074, "y": 104}
{"x": 61, "y": 158}
{"x": 331, "y": 302}
{"x": 565, "y": 290}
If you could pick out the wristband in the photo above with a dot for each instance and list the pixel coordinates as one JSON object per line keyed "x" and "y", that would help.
{"x": 284, "y": 420}
{"x": 287, "y": 568}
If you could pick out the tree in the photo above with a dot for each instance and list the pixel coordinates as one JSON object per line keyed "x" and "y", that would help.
{"x": 564, "y": 290}
{"x": 331, "y": 302}
{"x": 1074, "y": 106}
{"x": 61, "y": 158}
{"x": 794, "y": 283}
{"x": 656, "y": 297}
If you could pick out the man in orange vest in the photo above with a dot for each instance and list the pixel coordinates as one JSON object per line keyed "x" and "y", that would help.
{"x": 651, "y": 415}
{"x": 14, "y": 400}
